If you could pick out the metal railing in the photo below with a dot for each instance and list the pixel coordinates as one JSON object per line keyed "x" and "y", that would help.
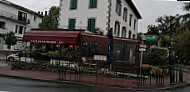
{"x": 13, "y": 16}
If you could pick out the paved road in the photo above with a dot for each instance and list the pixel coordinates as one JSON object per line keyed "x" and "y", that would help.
{"x": 19, "y": 85}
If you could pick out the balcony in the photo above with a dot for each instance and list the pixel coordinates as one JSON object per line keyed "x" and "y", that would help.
{"x": 14, "y": 17}
{"x": 3, "y": 30}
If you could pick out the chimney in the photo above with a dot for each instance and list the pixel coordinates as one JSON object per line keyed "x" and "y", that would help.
{"x": 45, "y": 13}
{"x": 42, "y": 13}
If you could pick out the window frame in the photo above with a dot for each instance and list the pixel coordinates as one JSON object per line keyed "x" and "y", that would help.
{"x": 73, "y": 4}
{"x": 130, "y": 20}
{"x": 125, "y": 14}
{"x": 130, "y": 33}
{"x": 135, "y": 22}
{"x": 93, "y": 3}
{"x": 71, "y": 27}
{"x": 117, "y": 29}
{"x": 124, "y": 31}
{"x": 91, "y": 26}
{"x": 118, "y": 7}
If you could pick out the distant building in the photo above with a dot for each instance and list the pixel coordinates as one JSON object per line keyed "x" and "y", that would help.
{"x": 17, "y": 19}
{"x": 93, "y": 15}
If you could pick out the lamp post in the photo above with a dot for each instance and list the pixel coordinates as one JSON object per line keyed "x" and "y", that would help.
{"x": 171, "y": 63}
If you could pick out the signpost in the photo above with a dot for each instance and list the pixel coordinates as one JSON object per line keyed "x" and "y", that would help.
{"x": 143, "y": 46}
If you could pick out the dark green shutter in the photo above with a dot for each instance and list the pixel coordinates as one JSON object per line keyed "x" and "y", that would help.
{"x": 91, "y": 25}
{"x": 93, "y": 4}
{"x": 71, "y": 24}
{"x": 73, "y": 4}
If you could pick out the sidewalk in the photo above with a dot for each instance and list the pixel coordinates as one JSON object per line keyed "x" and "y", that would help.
{"x": 85, "y": 79}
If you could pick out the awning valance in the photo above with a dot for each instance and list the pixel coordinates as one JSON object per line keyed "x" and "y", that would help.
{"x": 52, "y": 36}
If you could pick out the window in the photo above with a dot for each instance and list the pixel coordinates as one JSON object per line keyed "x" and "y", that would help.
{"x": 124, "y": 31}
{"x": 130, "y": 21}
{"x": 73, "y": 4}
{"x": 93, "y": 4}
{"x": 22, "y": 16}
{"x": 129, "y": 34}
{"x": 135, "y": 23}
{"x": 34, "y": 18}
{"x": 24, "y": 30}
{"x": 118, "y": 7}
{"x": 91, "y": 25}
{"x": 2, "y": 24}
{"x": 125, "y": 12}
{"x": 71, "y": 24}
{"x": 20, "y": 29}
{"x": 134, "y": 36}
{"x": 117, "y": 28}
{"x": 16, "y": 29}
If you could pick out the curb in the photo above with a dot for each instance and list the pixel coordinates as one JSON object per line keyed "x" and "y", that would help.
{"x": 91, "y": 85}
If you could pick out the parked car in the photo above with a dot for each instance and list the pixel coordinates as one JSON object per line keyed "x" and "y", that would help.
{"x": 13, "y": 57}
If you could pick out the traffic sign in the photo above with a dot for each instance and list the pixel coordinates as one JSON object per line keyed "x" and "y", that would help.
{"x": 143, "y": 46}
{"x": 151, "y": 37}
{"x": 142, "y": 49}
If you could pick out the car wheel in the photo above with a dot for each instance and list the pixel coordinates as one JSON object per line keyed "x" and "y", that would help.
{"x": 10, "y": 59}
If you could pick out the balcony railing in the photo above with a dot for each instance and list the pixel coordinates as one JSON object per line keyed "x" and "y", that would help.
{"x": 14, "y": 17}
{"x": 3, "y": 30}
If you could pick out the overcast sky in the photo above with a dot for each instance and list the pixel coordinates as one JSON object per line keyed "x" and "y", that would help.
{"x": 149, "y": 9}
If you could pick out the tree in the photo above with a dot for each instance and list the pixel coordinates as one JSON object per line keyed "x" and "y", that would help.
{"x": 10, "y": 40}
{"x": 182, "y": 44}
{"x": 50, "y": 21}
{"x": 153, "y": 30}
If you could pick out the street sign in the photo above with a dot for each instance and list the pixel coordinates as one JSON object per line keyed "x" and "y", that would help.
{"x": 143, "y": 46}
{"x": 151, "y": 37}
{"x": 142, "y": 49}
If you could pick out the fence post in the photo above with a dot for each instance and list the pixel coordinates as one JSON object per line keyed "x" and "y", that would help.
{"x": 181, "y": 74}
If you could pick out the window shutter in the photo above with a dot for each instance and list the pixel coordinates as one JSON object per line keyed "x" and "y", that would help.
{"x": 93, "y": 4}
{"x": 73, "y": 4}
{"x": 91, "y": 25}
{"x": 71, "y": 24}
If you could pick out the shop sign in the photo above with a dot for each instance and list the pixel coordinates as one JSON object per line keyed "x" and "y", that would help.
{"x": 151, "y": 37}
{"x": 53, "y": 42}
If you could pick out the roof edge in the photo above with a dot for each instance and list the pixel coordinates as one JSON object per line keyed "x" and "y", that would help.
{"x": 133, "y": 7}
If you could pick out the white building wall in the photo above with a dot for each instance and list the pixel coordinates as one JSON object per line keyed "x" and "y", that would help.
{"x": 11, "y": 11}
{"x": 115, "y": 17}
{"x": 83, "y": 12}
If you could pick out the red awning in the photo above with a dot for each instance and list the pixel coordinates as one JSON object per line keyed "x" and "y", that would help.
{"x": 52, "y": 36}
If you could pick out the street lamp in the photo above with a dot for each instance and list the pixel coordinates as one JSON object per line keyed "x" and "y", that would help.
{"x": 172, "y": 75}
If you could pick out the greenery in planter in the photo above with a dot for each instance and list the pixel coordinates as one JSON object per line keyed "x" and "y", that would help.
{"x": 156, "y": 56}
{"x": 53, "y": 54}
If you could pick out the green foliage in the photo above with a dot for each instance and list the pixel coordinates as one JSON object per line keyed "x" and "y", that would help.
{"x": 10, "y": 39}
{"x": 182, "y": 44}
{"x": 165, "y": 41}
{"x": 152, "y": 30}
{"x": 98, "y": 31}
{"x": 50, "y": 21}
{"x": 186, "y": 6}
{"x": 156, "y": 55}
{"x": 53, "y": 54}
{"x": 139, "y": 36}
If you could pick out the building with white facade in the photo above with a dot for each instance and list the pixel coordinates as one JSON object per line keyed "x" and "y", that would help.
{"x": 17, "y": 19}
{"x": 93, "y": 15}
